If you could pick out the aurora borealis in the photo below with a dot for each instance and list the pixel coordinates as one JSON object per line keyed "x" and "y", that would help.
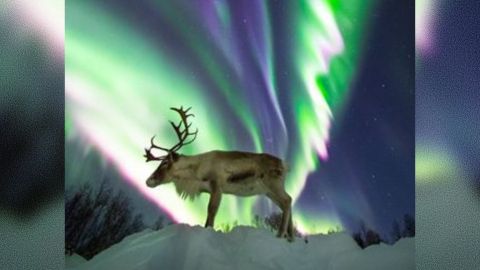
{"x": 270, "y": 76}
{"x": 123, "y": 57}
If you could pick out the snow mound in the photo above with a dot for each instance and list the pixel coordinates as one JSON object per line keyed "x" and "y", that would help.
{"x": 183, "y": 247}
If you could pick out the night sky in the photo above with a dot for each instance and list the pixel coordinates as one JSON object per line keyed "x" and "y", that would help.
{"x": 371, "y": 165}
{"x": 326, "y": 85}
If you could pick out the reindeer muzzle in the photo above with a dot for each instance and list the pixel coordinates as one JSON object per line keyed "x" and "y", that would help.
{"x": 151, "y": 183}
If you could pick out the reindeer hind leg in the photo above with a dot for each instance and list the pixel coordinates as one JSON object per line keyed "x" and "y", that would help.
{"x": 283, "y": 200}
{"x": 291, "y": 235}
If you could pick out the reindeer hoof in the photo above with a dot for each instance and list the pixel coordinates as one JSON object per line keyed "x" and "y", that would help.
{"x": 286, "y": 235}
{"x": 282, "y": 235}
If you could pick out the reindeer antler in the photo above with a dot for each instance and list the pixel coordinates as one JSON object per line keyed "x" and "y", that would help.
{"x": 148, "y": 154}
{"x": 182, "y": 135}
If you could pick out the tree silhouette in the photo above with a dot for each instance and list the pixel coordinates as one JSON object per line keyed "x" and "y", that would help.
{"x": 97, "y": 219}
{"x": 159, "y": 223}
{"x": 366, "y": 236}
{"x": 409, "y": 226}
{"x": 396, "y": 233}
{"x": 372, "y": 238}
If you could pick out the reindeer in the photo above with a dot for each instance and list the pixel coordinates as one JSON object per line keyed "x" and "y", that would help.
{"x": 219, "y": 172}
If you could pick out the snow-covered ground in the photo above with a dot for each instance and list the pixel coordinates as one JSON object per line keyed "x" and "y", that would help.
{"x": 184, "y": 247}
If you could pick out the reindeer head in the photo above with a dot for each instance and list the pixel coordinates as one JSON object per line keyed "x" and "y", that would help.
{"x": 163, "y": 174}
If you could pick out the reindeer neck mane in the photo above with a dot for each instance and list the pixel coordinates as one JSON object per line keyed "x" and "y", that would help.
{"x": 186, "y": 183}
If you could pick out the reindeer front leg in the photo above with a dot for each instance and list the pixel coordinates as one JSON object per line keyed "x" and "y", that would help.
{"x": 215, "y": 198}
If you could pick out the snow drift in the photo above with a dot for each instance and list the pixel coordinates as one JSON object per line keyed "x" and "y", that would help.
{"x": 185, "y": 247}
